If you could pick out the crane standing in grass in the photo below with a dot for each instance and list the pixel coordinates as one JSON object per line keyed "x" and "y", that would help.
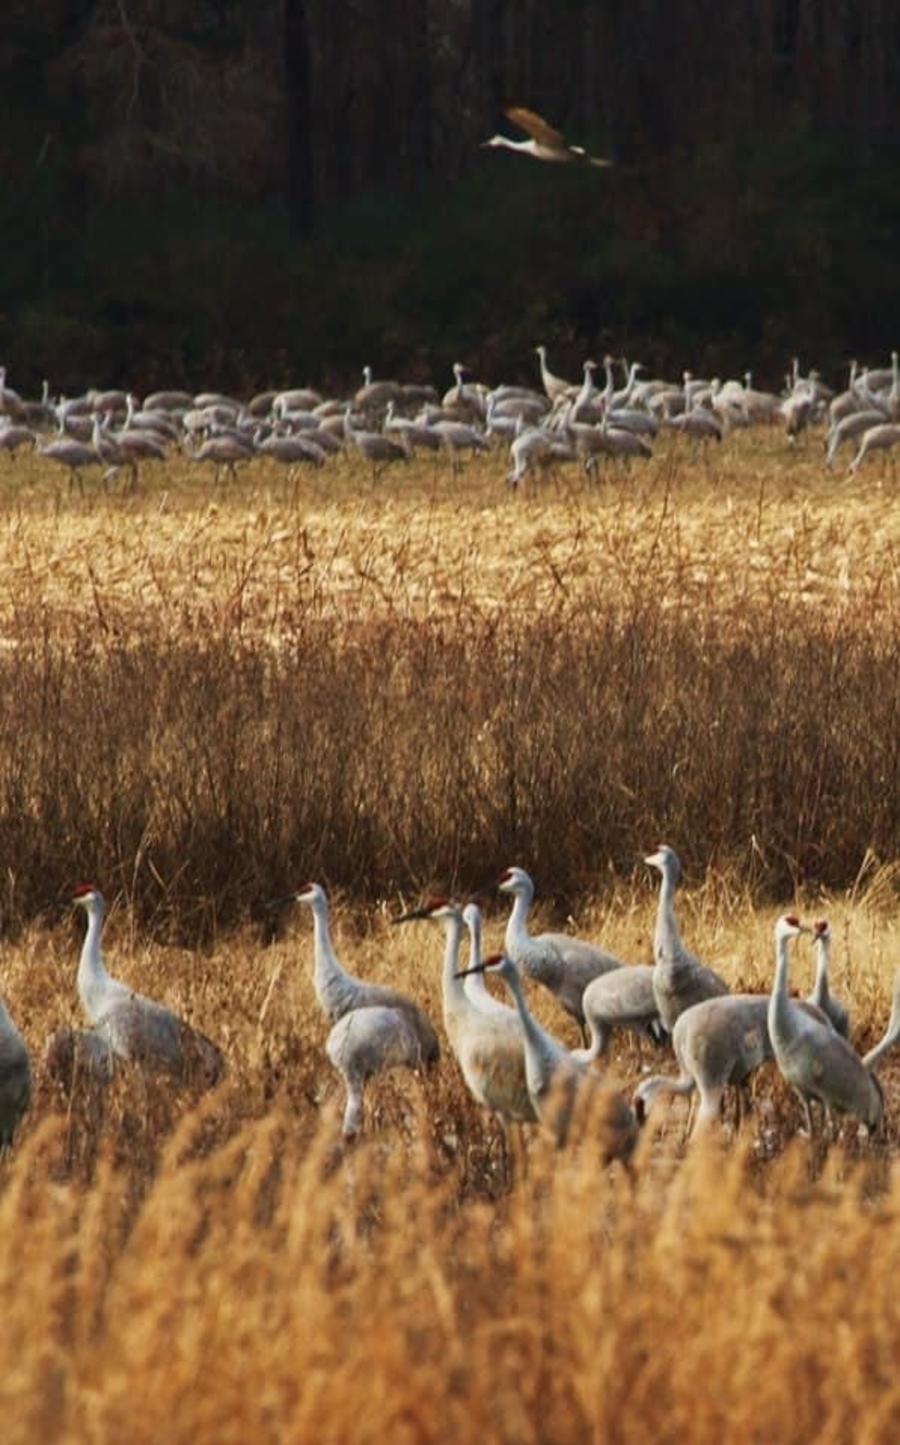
{"x": 818, "y": 1063}
{"x": 339, "y": 993}
{"x": 679, "y": 979}
{"x": 488, "y": 1047}
{"x": 555, "y": 1077}
{"x": 375, "y": 1028}
{"x": 718, "y": 1042}
{"x": 563, "y": 964}
{"x": 136, "y": 1029}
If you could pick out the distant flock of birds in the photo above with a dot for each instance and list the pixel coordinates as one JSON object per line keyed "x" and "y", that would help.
{"x": 512, "y": 1066}
{"x": 388, "y": 422}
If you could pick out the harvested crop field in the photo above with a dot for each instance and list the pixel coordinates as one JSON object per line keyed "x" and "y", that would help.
{"x": 210, "y": 694}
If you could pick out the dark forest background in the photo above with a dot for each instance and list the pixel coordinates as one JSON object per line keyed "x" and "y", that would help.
{"x": 247, "y": 192}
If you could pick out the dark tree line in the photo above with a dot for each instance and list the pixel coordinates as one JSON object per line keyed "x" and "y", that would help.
{"x": 267, "y": 185}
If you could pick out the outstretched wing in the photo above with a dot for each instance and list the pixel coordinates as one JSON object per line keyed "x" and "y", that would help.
{"x": 535, "y": 126}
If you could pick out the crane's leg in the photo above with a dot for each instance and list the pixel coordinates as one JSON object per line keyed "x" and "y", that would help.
{"x": 807, "y": 1114}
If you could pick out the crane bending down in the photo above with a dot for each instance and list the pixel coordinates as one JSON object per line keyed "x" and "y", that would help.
{"x": 679, "y": 979}
{"x": 339, "y": 993}
{"x": 563, "y": 964}
{"x": 366, "y": 1042}
{"x": 137, "y": 1029}
{"x": 545, "y": 142}
{"x": 488, "y": 1047}
{"x": 555, "y": 1077}
{"x": 15, "y": 1077}
{"x": 819, "y": 1063}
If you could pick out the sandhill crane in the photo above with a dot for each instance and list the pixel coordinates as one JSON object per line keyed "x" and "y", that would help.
{"x": 530, "y": 450}
{"x": 545, "y": 143}
{"x": 15, "y": 1077}
{"x": 414, "y": 435}
{"x": 821, "y": 996}
{"x": 876, "y": 439}
{"x": 137, "y": 1029}
{"x": 71, "y": 454}
{"x": 71, "y": 1055}
{"x": 488, "y": 1047}
{"x": 109, "y": 451}
{"x": 380, "y": 450}
{"x": 367, "y": 1042}
{"x": 817, "y": 1061}
{"x": 463, "y": 401}
{"x": 718, "y": 1042}
{"x": 555, "y": 387}
{"x": 850, "y": 426}
{"x": 291, "y": 451}
{"x": 13, "y": 436}
{"x": 298, "y": 398}
{"x": 563, "y": 964}
{"x": 698, "y": 423}
{"x": 475, "y": 984}
{"x": 679, "y": 979}
{"x": 554, "y": 1076}
{"x": 224, "y": 451}
{"x": 338, "y": 992}
{"x": 456, "y": 436}
{"x": 622, "y": 999}
{"x": 373, "y": 396}
{"x": 170, "y": 400}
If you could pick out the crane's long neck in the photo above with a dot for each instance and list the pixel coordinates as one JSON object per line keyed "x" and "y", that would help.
{"x": 667, "y": 943}
{"x": 610, "y": 387}
{"x": 780, "y": 1018}
{"x": 892, "y": 1033}
{"x": 517, "y": 935}
{"x": 820, "y": 987}
{"x": 476, "y": 988}
{"x": 335, "y": 987}
{"x": 94, "y": 983}
{"x": 453, "y": 990}
{"x": 533, "y": 1034}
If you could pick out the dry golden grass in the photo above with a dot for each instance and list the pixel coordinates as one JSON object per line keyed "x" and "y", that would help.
{"x": 206, "y": 696}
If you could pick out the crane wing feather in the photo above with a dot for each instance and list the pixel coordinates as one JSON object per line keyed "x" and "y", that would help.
{"x": 535, "y": 126}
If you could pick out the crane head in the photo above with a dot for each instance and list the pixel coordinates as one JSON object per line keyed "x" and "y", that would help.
{"x": 86, "y": 894}
{"x": 666, "y": 860}
{"x": 309, "y": 893}
{"x": 472, "y": 914}
{"x": 431, "y": 908}
{"x": 790, "y": 926}
{"x": 496, "y": 963}
{"x": 515, "y": 880}
{"x": 822, "y": 929}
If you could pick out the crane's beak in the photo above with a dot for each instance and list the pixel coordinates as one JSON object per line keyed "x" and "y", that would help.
{"x": 274, "y": 903}
{"x": 412, "y": 916}
{"x": 464, "y": 972}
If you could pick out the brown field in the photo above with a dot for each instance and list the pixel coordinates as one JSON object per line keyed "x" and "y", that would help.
{"x": 209, "y": 694}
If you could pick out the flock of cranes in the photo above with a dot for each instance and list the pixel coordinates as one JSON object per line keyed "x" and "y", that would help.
{"x": 387, "y": 422}
{"x": 512, "y": 1066}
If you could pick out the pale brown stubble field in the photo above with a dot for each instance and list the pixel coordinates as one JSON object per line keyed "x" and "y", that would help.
{"x": 212, "y": 692}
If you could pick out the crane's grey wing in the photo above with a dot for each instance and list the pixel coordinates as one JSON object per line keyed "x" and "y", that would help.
{"x": 143, "y": 1032}
{"x": 78, "y": 1053}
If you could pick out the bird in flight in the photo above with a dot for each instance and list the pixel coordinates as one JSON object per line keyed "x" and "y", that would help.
{"x": 545, "y": 143}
